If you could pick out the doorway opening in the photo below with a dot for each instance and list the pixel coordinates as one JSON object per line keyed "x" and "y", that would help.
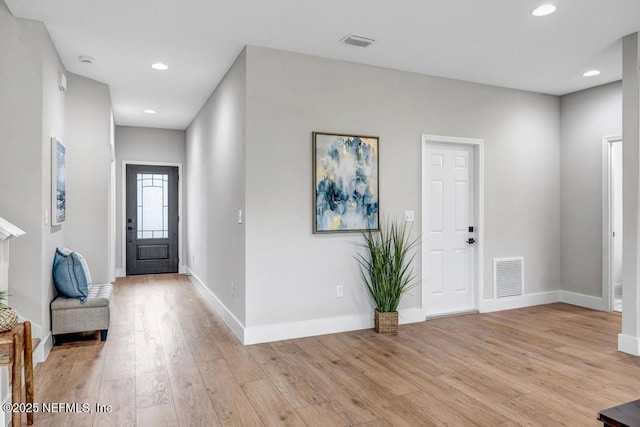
{"x": 452, "y": 224}
{"x": 612, "y": 223}
{"x": 151, "y": 243}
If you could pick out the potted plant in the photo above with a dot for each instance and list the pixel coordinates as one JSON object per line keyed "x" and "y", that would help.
{"x": 8, "y": 316}
{"x": 385, "y": 267}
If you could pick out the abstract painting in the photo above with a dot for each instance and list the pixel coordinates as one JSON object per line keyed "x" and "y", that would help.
{"x": 345, "y": 182}
{"x": 58, "y": 188}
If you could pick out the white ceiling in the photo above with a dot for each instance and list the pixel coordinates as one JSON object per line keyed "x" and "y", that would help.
{"x": 496, "y": 42}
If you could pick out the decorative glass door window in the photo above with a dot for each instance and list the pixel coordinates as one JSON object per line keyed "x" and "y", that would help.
{"x": 153, "y": 206}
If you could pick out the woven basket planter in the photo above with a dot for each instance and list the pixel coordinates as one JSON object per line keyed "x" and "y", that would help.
{"x": 386, "y": 323}
{"x": 8, "y": 319}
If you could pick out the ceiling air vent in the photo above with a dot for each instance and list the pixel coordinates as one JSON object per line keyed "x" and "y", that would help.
{"x": 86, "y": 59}
{"x": 354, "y": 40}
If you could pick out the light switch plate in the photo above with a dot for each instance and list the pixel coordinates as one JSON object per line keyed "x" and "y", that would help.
{"x": 240, "y": 216}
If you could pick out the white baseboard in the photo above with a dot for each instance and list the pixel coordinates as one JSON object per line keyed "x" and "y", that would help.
{"x": 41, "y": 353}
{"x": 581, "y": 300}
{"x": 327, "y": 325}
{"x": 527, "y": 300}
{"x": 120, "y": 272}
{"x": 305, "y": 328}
{"x": 291, "y": 330}
{"x": 232, "y": 321}
{"x": 629, "y": 344}
{"x": 617, "y": 289}
{"x": 520, "y": 301}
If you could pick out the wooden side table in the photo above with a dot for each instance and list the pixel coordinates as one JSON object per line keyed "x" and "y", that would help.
{"x": 625, "y": 415}
{"x": 16, "y": 350}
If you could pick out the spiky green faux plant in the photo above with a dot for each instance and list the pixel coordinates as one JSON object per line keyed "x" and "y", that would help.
{"x": 385, "y": 263}
{"x": 3, "y": 299}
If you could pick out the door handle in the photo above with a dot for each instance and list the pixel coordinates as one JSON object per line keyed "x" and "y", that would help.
{"x": 130, "y": 228}
{"x": 471, "y": 241}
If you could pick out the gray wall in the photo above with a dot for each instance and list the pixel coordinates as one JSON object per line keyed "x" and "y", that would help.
{"x": 629, "y": 339}
{"x": 88, "y": 124}
{"x": 216, "y": 190}
{"x": 144, "y": 145}
{"x": 53, "y": 125}
{"x": 31, "y": 108}
{"x": 586, "y": 117}
{"x": 32, "y": 111}
{"x": 289, "y": 95}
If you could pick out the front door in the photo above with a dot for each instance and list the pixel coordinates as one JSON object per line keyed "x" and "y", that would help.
{"x": 152, "y": 219}
{"x": 448, "y": 229}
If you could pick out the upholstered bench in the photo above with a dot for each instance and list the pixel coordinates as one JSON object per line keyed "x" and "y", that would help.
{"x": 70, "y": 315}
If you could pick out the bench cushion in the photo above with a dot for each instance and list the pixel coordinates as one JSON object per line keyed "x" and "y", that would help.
{"x": 99, "y": 295}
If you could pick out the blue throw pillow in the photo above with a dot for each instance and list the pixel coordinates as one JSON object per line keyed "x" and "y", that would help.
{"x": 69, "y": 276}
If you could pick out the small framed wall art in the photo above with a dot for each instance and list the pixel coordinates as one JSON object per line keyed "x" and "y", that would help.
{"x": 345, "y": 182}
{"x": 58, "y": 182}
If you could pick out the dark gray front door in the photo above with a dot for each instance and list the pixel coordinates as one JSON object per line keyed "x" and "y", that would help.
{"x": 152, "y": 219}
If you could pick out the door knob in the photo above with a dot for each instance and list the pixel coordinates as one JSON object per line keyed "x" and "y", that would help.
{"x": 471, "y": 241}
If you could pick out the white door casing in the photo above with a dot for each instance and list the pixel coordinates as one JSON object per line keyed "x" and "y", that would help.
{"x": 609, "y": 244}
{"x": 450, "y": 196}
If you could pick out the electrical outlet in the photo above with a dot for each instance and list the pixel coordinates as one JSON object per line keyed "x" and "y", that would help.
{"x": 409, "y": 216}
{"x": 233, "y": 289}
{"x": 339, "y": 291}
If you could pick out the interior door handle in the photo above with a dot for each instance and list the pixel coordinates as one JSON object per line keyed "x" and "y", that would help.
{"x": 130, "y": 228}
{"x": 471, "y": 241}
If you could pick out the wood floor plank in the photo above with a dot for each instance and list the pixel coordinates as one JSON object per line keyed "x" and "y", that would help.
{"x": 202, "y": 344}
{"x": 191, "y": 399}
{"x": 157, "y": 416}
{"x": 381, "y": 375}
{"x": 120, "y": 362}
{"x": 228, "y": 399}
{"x": 287, "y": 380}
{"x": 269, "y": 404}
{"x": 343, "y": 400}
{"x": 153, "y": 389}
{"x": 240, "y": 362}
{"x": 120, "y": 395}
{"x": 321, "y": 416}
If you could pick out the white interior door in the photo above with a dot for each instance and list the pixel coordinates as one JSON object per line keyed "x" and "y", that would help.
{"x": 448, "y": 214}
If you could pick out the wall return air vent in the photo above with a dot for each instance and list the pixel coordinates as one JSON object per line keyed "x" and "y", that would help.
{"x": 358, "y": 41}
{"x": 508, "y": 276}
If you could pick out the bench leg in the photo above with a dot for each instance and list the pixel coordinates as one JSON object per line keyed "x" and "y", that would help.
{"x": 103, "y": 334}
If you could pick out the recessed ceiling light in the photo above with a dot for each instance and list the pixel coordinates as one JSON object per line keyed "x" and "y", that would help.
{"x": 149, "y": 111}
{"x": 159, "y": 66}
{"x": 591, "y": 73}
{"x": 544, "y": 10}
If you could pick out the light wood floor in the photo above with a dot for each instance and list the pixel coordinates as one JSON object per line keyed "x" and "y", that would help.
{"x": 169, "y": 360}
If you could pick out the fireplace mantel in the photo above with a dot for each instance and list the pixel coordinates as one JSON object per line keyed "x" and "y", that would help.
{"x": 8, "y": 230}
